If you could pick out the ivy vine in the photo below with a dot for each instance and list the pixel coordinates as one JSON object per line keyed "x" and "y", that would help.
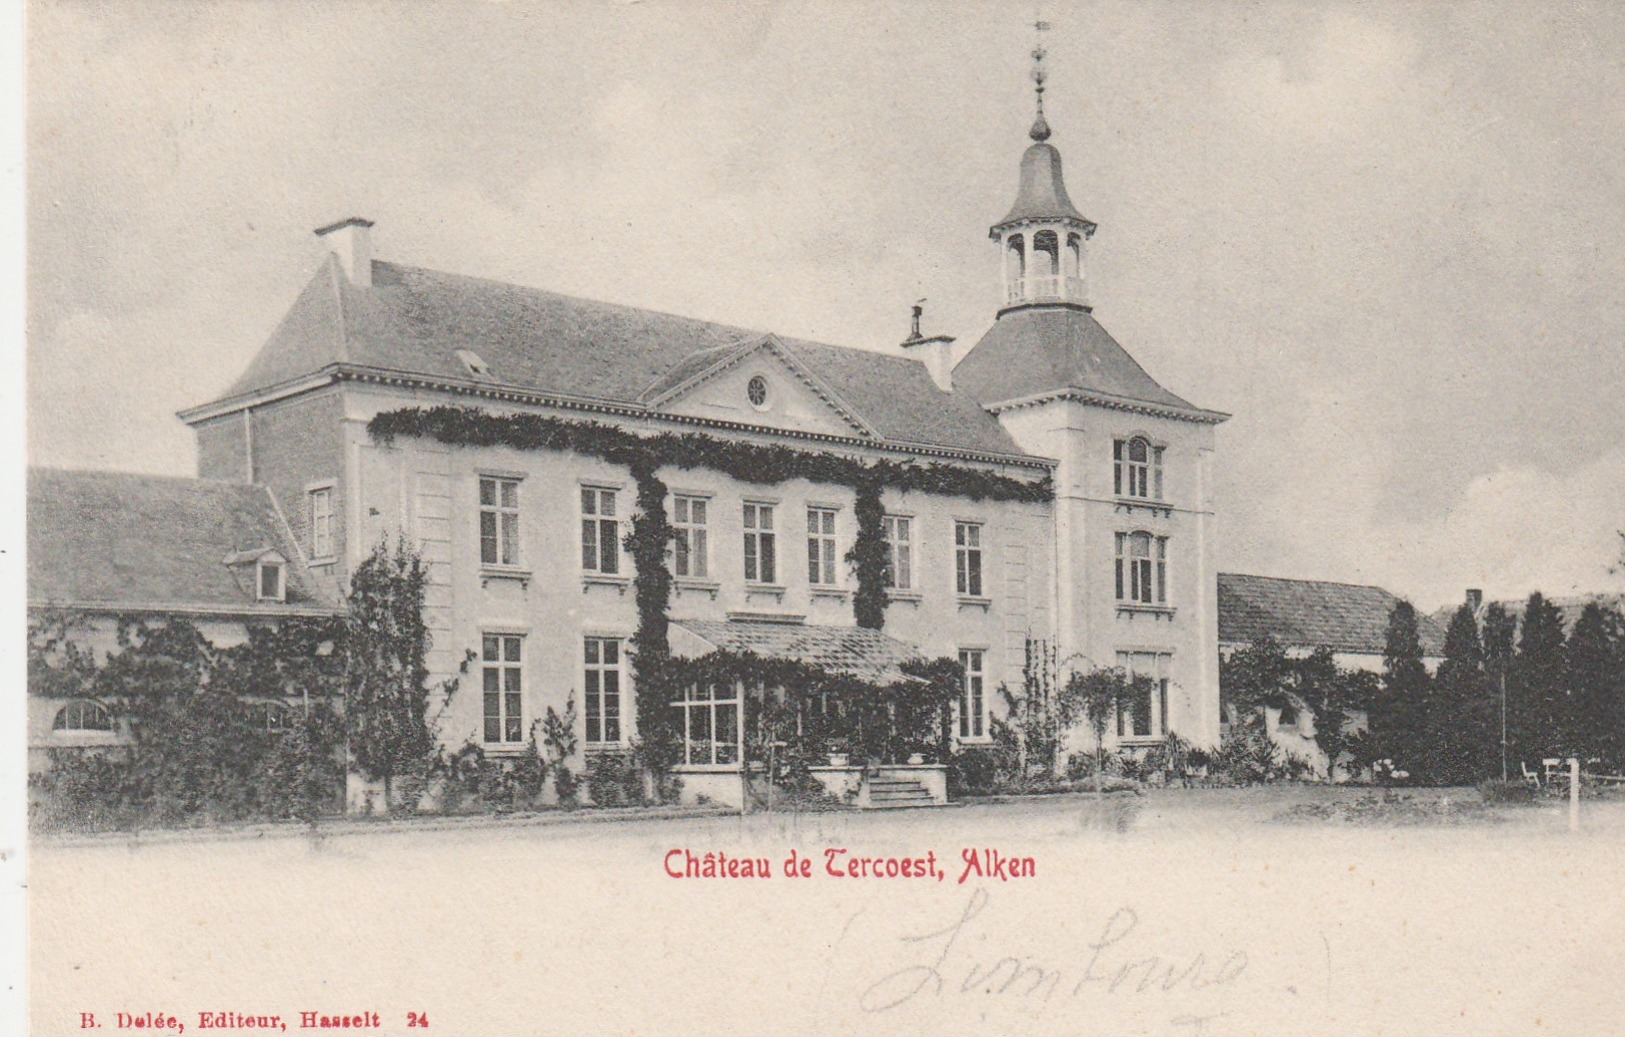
{"x": 867, "y": 556}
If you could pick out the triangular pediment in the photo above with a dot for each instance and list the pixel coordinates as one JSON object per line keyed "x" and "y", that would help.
{"x": 759, "y": 382}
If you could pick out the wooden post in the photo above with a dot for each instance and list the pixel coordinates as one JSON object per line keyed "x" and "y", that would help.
{"x": 1574, "y": 793}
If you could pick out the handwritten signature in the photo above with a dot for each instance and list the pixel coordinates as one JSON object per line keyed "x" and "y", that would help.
{"x": 1113, "y": 963}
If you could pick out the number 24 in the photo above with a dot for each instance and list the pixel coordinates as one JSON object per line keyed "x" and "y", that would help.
{"x": 417, "y": 1019}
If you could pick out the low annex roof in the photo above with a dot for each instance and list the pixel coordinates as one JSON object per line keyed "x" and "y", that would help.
{"x": 1038, "y": 350}
{"x": 116, "y": 540}
{"x": 1310, "y": 614}
{"x": 414, "y": 321}
{"x": 857, "y": 651}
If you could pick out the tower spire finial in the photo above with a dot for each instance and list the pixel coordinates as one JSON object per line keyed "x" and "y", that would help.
{"x": 1040, "y": 130}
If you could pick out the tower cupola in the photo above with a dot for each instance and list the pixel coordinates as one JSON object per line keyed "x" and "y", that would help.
{"x": 1043, "y": 237}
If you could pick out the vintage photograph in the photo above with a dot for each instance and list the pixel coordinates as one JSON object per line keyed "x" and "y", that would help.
{"x": 824, "y": 517}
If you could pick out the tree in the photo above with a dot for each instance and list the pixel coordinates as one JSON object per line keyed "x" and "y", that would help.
{"x": 1499, "y": 637}
{"x": 1596, "y": 658}
{"x": 386, "y": 675}
{"x": 1324, "y": 689}
{"x": 1537, "y": 685}
{"x": 1254, "y": 677}
{"x": 1098, "y": 693}
{"x": 1398, "y": 716}
{"x": 1459, "y": 718}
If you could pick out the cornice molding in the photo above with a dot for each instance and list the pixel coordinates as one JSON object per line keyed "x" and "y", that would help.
{"x": 1111, "y": 402}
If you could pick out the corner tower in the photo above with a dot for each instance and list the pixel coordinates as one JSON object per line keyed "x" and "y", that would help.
{"x": 1136, "y": 580}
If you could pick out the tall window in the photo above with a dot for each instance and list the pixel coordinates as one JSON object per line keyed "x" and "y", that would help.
{"x": 972, "y": 699}
{"x": 1142, "y": 568}
{"x": 899, "y": 551}
{"x": 603, "y": 683}
{"x": 821, "y": 547}
{"x": 600, "y": 531}
{"x": 499, "y": 521}
{"x": 500, "y": 663}
{"x": 760, "y": 549}
{"x": 710, "y": 724}
{"x": 1137, "y": 468}
{"x": 689, "y": 519}
{"x": 321, "y": 522}
{"x": 968, "y": 558}
{"x": 1144, "y": 713}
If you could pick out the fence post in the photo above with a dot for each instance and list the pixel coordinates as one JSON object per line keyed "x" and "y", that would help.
{"x": 1574, "y": 793}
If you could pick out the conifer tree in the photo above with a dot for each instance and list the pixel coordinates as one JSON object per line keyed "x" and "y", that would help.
{"x": 1537, "y": 690}
{"x": 1460, "y": 711}
{"x": 1399, "y": 717}
{"x": 1596, "y": 657}
{"x": 1500, "y": 636}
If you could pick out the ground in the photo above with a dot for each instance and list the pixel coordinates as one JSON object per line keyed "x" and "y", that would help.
{"x": 1178, "y": 911}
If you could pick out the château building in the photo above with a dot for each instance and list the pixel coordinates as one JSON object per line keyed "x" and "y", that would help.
{"x": 525, "y": 548}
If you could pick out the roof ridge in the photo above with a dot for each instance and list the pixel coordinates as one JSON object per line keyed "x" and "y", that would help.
{"x": 123, "y": 474}
{"x": 1333, "y": 583}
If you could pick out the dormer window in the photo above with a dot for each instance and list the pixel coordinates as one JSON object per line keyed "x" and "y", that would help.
{"x": 270, "y": 580}
{"x": 471, "y": 360}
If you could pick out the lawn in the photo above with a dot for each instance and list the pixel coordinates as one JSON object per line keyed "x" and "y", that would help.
{"x": 1175, "y": 911}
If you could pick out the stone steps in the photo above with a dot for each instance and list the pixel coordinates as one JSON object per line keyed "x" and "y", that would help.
{"x": 898, "y": 794}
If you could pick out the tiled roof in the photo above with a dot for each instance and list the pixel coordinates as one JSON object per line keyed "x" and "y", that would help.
{"x": 1309, "y": 614}
{"x": 119, "y": 540}
{"x": 857, "y": 651}
{"x": 414, "y": 321}
{"x": 1041, "y": 349}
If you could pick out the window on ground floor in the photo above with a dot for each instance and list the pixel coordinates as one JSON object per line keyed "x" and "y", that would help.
{"x": 602, "y": 681}
{"x": 710, "y": 717}
{"x": 973, "y": 697}
{"x": 500, "y": 666}
{"x": 1144, "y": 712}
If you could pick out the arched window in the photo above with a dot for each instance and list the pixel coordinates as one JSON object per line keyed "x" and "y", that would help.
{"x": 1046, "y": 254}
{"x": 1142, "y": 568}
{"x": 1017, "y": 256}
{"x": 1074, "y": 256}
{"x": 83, "y": 715}
{"x": 1137, "y": 468}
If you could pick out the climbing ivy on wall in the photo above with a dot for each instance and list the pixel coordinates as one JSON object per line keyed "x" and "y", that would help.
{"x": 761, "y": 464}
{"x": 655, "y": 673}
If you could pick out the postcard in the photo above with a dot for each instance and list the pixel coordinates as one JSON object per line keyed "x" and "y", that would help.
{"x": 814, "y": 518}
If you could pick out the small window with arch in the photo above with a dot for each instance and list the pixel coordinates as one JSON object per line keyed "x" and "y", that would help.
{"x": 83, "y": 715}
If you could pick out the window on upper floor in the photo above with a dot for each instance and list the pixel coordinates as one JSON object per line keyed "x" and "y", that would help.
{"x": 602, "y": 682}
{"x": 973, "y": 695}
{"x": 270, "y": 580}
{"x": 1143, "y": 713}
{"x": 821, "y": 547}
{"x": 321, "y": 522}
{"x": 499, "y": 521}
{"x": 899, "y": 531}
{"x": 761, "y": 547}
{"x": 600, "y": 532}
{"x": 500, "y": 666}
{"x": 83, "y": 715}
{"x": 690, "y": 522}
{"x": 968, "y": 558}
{"x": 1137, "y": 468}
{"x": 1142, "y": 568}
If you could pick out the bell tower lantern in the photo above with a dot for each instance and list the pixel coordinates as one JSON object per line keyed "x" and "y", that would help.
{"x": 1043, "y": 238}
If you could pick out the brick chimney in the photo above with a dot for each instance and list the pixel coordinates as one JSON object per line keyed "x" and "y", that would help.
{"x": 351, "y": 241}
{"x": 936, "y": 352}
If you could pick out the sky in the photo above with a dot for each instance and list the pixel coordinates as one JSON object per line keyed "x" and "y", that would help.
{"x": 1388, "y": 238}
